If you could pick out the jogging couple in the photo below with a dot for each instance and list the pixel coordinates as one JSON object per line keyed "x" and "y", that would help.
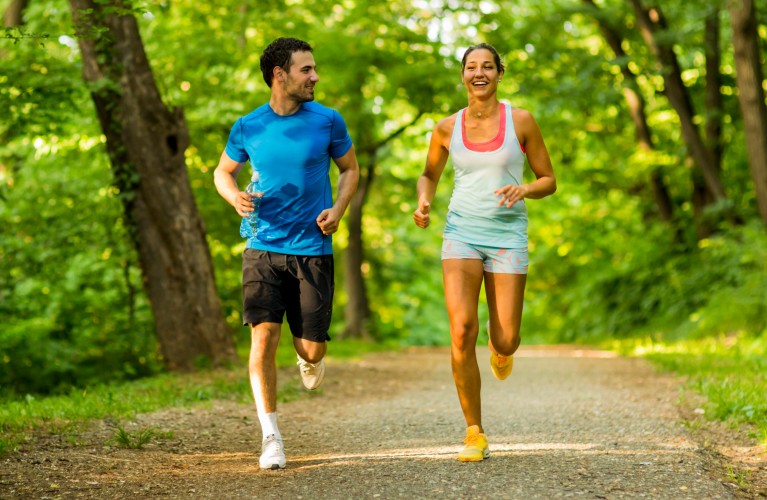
{"x": 287, "y": 266}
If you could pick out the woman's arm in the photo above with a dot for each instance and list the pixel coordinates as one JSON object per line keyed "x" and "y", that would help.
{"x": 436, "y": 159}
{"x": 530, "y": 137}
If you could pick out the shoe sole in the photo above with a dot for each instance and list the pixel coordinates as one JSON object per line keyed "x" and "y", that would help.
{"x": 485, "y": 455}
{"x": 273, "y": 467}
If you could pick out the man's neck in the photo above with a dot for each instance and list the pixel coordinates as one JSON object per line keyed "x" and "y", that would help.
{"x": 283, "y": 105}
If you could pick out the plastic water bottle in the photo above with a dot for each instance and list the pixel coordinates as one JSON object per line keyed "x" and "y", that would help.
{"x": 249, "y": 226}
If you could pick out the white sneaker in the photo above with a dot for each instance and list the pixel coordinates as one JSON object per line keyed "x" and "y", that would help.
{"x": 272, "y": 453}
{"x": 311, "y": 373}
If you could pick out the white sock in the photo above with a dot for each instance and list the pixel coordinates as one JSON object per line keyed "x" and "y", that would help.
{"x": 269, "y": 424}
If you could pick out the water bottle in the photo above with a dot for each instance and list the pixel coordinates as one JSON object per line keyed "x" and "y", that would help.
{"x": 249, "y": 225}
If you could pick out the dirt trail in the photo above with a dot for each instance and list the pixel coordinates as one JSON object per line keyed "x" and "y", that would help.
{"x": 567, "y": 423}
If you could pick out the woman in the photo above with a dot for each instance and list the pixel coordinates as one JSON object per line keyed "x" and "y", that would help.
{"x": 486, "y": 231}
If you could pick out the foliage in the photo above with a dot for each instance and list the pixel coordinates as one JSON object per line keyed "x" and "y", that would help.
{"x": 716, "y": 288}
{"x": 72, "y": 308}
{"x": 73, "y": 311}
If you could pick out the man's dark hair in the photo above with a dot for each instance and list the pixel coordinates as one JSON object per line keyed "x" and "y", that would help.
{"x": 485, "y": 46}
{"x": 278, "y": 54}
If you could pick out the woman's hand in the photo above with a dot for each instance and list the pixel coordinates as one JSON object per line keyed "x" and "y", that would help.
{"x": 421, "y": 215}
{"x": 510, "y": 194}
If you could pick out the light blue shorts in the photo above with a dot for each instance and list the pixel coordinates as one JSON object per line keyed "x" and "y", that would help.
{"x": 494, "y": 260}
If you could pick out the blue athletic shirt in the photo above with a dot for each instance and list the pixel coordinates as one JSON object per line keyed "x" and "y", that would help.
{"x": 292, "y": 156}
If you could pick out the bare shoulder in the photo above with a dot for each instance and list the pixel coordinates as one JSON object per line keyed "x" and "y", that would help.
{"x": 443, "y": 131}
{"x": 445, "y": 125}
{"x": 524, "y": 122}
{"x": 522, "y": 116}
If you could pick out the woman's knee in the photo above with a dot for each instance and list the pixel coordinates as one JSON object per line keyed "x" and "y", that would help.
{"x": 506, "y": 345}
{"x": 464, "y": 336}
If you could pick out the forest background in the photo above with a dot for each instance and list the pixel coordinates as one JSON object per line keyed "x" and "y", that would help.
{"x": 654, "y": 115}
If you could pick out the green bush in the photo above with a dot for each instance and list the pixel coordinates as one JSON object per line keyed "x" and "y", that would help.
{"x": 73, "y": 311}
{"x": 719, "y": 286}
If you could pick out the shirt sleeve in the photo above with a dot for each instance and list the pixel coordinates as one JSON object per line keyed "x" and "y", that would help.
{"x": 340, "y": 142}
{"x": 235, "y": 147}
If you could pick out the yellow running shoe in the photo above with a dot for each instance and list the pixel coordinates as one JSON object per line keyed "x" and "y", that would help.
{"x": 476, "y": 446}
{"x": 501, "y": 365}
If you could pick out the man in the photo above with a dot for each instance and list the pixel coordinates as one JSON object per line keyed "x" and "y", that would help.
{"x": 287, "y": 266}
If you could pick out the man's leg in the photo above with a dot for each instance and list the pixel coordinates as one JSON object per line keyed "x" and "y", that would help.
{"x": 309, "y": 311}
{"x": 310, "y": 351}
{"x": 262, "y": 367}
{"x": 310, "y": 363}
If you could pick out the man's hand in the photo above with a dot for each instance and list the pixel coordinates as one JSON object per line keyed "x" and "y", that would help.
{"x": 421, "y": 215}
{"x": 328, "y": 221}
{"x": 243, "y": 203}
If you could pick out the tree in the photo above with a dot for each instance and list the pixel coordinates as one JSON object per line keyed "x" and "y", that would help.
{"x": 714, "y": 106}
{"x": 146, "y": 144}
{"x": 636, "y": 104}
{"x": 750, "y": 79}
{"x": 652, "y": 24}
{"x": 357, "y": 309}
{"x": 13, "y": 13}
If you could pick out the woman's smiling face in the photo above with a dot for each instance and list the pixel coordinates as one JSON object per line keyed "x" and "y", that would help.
{"x": 480, "y": 73}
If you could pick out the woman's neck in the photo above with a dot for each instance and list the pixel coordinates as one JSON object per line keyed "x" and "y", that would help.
{"x": 483, "y": 110}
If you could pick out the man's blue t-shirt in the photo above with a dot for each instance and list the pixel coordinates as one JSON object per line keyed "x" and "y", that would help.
{"x": 292, "y": 156}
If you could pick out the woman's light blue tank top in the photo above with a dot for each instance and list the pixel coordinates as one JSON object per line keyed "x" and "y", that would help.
{"x": 474, "y": 215}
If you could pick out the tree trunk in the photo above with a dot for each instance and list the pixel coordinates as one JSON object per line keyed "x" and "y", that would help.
{"x": 663, "y": 199}
{"x": 357, "y": 309}
{"x": 749, "y": 78}
{"x": 714, "y": 100}
{"x": 13, "y": 15}
{"x": 145, "y": 144}
{"x": 701, "y": 196}
{"x": 650, "y": 22}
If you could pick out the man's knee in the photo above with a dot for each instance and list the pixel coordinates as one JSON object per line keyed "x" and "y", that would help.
{"x": 314, "y": 357}
{"x": 311, "y": 352}
{"x": 264, "y": 338}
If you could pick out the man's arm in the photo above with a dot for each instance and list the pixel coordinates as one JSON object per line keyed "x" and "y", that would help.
{"x": 347, "y": 184}
{"x": 225, "y": 178}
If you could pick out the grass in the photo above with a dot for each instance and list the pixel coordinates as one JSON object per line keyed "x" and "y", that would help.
{"x": 133, "y": 440}
{"x": 65, "y": 415}
{"x": 729, "y": 371}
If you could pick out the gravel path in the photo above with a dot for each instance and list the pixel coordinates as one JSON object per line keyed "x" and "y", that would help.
{"x": 567, "y": 423}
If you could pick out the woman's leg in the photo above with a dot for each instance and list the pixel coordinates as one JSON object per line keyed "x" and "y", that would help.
{"x": 463, "y": 280}
{"x": 505, "y": 296}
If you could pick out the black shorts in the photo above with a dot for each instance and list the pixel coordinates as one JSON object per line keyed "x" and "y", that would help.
{"x": 299, "y": 286}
